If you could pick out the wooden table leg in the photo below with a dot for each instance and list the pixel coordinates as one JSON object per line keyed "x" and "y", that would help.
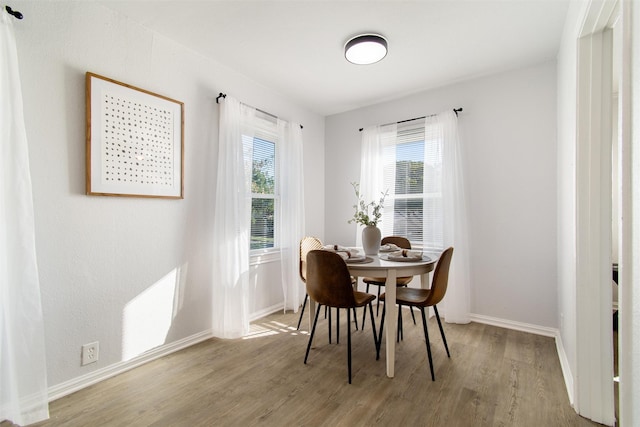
{"x": 391, "y": 318}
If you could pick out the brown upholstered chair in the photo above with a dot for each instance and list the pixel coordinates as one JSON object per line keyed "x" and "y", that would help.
{"x": 401, "y": 242}
{"x": 424, "y": 298}
{"x": 308, "y": 244}
{"x": 329, "y": 284}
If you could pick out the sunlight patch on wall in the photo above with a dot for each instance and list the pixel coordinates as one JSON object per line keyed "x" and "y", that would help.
{"x": 147, "y": 318}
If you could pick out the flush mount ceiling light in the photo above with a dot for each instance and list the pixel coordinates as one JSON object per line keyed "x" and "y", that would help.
{"x": 365, "y": 49}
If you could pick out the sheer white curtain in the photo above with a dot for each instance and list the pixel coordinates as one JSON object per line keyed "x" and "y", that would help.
{"x": 23, "y": 374}
{"x": 456, "y": 304}
{"x": 291, "y": 224}
{"x": 374, "y": 139}
{"x": 232, "y": 219}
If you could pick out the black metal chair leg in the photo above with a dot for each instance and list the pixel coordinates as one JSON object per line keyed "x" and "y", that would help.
{"x": 412, "y": 315}
{"x": 441, "y": 330}
{"x": 329, "y": 324}
{"x": 364, "y": 316}
{"x": 364, "y": 313}
{"x": 338, "y": 325}
{"x": 313, "y": 331}
{"x": 349, "y": 342}
{"x": 426, "y": 338}
{"x": 355, "y": 318}
{"x": 384, "y": 309}
{"x": 378, "y": 305}
{"x": 373, "y": 325}
{"x": 304, "y": 304}
{"x": 399, "y": 332}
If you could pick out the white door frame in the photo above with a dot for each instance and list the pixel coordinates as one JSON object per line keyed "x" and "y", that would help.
{"x": 629, "y": 210}
{"x": 593, "y": 392}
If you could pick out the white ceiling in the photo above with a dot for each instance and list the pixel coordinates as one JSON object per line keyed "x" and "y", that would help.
{"x": 296, "y": 47}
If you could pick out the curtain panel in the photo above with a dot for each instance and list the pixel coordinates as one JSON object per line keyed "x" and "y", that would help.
{"x": 292, "y": 226}
{"x": 232, "y": 221}
{"x": 372, "y": 182}
{"x": 231, "y": 293}
{"x": 457, "y": 304}
{"x": 23, "y": 370}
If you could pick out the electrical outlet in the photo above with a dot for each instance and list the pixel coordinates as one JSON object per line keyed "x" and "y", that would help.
{"x": 90, "y": 353}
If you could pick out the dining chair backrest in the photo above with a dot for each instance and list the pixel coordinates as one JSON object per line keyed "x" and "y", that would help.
{"x": 307, "y": 244}
{"x": 399, "y": 241}
{"x": 440, "y": 278}
{"x": 328, "y": 280}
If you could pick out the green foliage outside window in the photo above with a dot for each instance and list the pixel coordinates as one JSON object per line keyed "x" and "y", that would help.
{"x": 263, "y": 183}
{"x": 409, "y": 177}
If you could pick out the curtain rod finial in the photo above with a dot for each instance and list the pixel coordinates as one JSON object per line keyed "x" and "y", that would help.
{"x": 15, "y": 13}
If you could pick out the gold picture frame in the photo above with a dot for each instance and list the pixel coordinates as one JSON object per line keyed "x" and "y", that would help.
{"x": 135, "y": 141}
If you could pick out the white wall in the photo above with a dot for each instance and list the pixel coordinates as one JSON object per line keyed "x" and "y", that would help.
{"x": 110, "y": 267}
{"x": 508, "y": 133}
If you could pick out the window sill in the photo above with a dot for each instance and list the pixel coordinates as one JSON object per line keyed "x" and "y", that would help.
{"x": 259, "y": 257}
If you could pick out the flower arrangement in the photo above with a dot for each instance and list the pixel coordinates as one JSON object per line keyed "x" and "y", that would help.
{"x": 361, "y": 215}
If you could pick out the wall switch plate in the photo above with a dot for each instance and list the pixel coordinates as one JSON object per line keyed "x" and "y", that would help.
{"x": 89, "y": 353}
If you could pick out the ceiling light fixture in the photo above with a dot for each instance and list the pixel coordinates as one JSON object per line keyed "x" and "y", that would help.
{"x": 365, "y": 49}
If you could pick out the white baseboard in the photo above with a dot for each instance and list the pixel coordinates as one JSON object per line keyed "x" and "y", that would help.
{"x": 266, "y": 311}
{"x": 518, "y": 326}
{"x": 75, "y": 384}
{"x": 566, "y": 369}
{"x": 78, "y": 383}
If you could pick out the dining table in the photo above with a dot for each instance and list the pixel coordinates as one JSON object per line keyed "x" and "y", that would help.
{"x": 380, "y": 265}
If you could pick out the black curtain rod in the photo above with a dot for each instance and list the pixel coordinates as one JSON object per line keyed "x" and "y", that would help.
{"x": 224, "y": 95}
{"x": 15, "y": 13}
{"x": 455, "y": 110}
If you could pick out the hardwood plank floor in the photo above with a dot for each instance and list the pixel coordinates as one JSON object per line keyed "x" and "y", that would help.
{"x": 495, "y": 377}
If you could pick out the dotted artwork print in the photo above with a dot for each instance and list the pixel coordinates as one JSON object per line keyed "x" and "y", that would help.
{"x": 137, "y": 144}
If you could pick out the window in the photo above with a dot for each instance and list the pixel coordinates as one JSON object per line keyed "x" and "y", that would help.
{"x": 412, "y": 159}
{"x": 261, "y": 149}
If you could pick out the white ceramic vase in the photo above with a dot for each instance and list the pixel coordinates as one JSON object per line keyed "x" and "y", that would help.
{"x": 371, "y": 236}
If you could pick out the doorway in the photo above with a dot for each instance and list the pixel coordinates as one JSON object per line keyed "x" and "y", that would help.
{"x": 595, "y": 190}
{"x": 616, "y": 196}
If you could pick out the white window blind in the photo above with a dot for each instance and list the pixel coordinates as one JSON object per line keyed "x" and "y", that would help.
{"x": 261, "y": 152}
{"x": 412, "y": 159}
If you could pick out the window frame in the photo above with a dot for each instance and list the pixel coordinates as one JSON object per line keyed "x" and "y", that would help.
{"x": 266, "y": 129}
{"x": 410, "y": 132}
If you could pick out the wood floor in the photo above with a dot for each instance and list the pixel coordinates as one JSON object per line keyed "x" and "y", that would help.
{"x": 495, "y": 377}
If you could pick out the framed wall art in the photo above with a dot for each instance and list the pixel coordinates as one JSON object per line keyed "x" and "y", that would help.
{"x": 135, "y": 141}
